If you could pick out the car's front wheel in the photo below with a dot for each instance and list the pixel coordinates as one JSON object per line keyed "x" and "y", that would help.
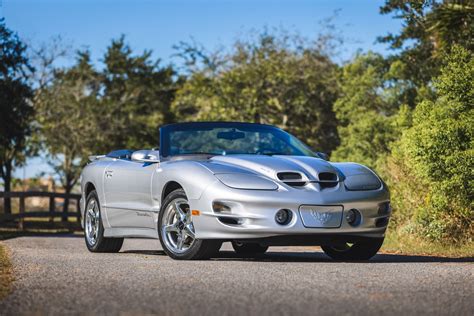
{"x": 94, "y": 230}
{"x": 176, "y": 230}
{"x": 359, "y": 250}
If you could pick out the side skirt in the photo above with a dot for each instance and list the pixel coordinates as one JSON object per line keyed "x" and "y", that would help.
{"x": 117, "y": 232}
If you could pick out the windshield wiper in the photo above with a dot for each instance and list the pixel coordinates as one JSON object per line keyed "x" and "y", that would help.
{"x": 272, "y": 154}
{"x": 198, "y": 153}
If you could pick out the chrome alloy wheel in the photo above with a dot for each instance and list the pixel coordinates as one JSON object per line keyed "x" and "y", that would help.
{"x": 177, "y": 226}
{"x": 92, "y": 222}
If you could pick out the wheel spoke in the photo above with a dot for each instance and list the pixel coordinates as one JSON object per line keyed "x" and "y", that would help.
{"x": 180, "y": 212}
{"x": 188, "y": 230}
{"x": 171, "y": 228}
{"x": 180, "y": 242}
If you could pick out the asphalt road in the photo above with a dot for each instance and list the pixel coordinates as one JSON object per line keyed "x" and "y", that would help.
{"x": 57, "y": 276}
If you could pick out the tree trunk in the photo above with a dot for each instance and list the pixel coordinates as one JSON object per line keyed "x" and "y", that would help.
{"x": 67, "y": 190}
{"x": 7, "y": 178}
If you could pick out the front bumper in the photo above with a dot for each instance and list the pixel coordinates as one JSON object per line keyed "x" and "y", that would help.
{"x": 255, "y": 212}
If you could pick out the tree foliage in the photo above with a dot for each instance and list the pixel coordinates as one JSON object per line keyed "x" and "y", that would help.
{"x": 364, "y": 111}
{"x": 16, "y": 111}
{"x": 438, "y": 152}
{"x": 267, "y": 80}
{"x": 67, "y": 112}
{"x": 429, "y": 27}
{"x": 82, "y": 111}
{"x": 137, "y": 96}
{"x": 410, "y": 116}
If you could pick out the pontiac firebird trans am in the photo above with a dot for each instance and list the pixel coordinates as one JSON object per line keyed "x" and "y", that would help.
{"x": 251, "y": 184}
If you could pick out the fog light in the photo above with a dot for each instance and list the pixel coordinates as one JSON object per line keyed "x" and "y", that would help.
{"x": 220, "y": 207}
{"x": 283, "y": 216}
{"x": 352, "y": 217}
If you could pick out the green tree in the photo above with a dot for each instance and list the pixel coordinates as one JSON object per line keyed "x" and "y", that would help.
{"x": 267, "y": 80}
{"x": 68, "y": 113}
{"x": 137, "y": 94}
{"x": 16, "y": 111}
{"x": 429, "y": 27}
{"x": 437, "y": 151}
{"x": 367, "y": 110}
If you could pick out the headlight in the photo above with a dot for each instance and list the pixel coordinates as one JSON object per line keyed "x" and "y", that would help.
{"x": 246, "y": 181}
{"x": 361, "y": 182}
{"x": 357, "y": 177}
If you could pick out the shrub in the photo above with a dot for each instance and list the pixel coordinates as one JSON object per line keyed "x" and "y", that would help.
{"x": 436, "y": 156}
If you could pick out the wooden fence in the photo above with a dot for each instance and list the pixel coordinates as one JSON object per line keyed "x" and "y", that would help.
{"x": 36, "y": 219}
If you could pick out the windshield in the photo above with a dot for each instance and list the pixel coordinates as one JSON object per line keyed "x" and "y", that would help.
{"x": 222, "y": 138}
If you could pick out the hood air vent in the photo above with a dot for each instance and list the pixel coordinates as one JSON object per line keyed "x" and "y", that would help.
{"x": 293, "y": 179}
{"x": 327, "y": 179}
{"x": 285, "y": 176}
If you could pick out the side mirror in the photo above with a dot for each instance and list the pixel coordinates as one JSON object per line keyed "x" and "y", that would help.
{"x": 323, "y": 156}
{"x": 150, "y": 156}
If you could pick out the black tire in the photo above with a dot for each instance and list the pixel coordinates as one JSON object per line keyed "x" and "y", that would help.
{"x": 201, "y": 249}
{"x": 360, "y": 250}
{"x": 248, "y": 248}
{"x": 102, "y": 243}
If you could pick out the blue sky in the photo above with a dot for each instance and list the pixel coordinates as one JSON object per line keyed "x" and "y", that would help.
{"x": 158, "y": 25}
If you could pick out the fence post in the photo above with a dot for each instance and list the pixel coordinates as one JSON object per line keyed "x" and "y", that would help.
{"x": 78, "y": 210}
{"x": 52, "y": 207}
{"x": 22, "y": 211}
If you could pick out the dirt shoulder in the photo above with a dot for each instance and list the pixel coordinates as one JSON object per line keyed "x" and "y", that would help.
{"x": 6, "y": 272}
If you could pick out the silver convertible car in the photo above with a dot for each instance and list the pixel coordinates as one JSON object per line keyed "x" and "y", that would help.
{"x": 252, "y": 185}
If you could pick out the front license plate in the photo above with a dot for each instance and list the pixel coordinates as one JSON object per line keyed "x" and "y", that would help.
{"x": 321, "y": 216}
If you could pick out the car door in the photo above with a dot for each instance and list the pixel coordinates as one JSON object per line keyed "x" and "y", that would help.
{"x": 127, "y": 188}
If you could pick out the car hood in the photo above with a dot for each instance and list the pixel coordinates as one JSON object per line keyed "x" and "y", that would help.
{"x": 270, "y": 166}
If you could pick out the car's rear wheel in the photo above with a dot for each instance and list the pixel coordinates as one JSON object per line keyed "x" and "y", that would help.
{"x": 176, "y": 230}
{"x": 248, "y": 248}
{"x": 359, "y": 250}
{"x": 94, "y": 229}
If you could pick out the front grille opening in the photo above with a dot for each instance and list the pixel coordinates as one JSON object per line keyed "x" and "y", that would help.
{"x": 327, "y": 176}
{"x": 229, "y": 220}
{"x": 285, "y": 176}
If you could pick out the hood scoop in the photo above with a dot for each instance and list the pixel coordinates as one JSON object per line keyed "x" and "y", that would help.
{"x": 327, "y": 179}
{"x": 293, "y": 179}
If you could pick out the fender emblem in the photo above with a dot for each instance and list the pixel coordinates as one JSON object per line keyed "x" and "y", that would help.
{"x": 143, "y": 214}
{"x": 322, "y": 217}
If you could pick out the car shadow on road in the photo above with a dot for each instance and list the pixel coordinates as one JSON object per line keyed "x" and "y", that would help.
{"x": 321, "y": 257}
{"x": 278, "y": 256}
{"x": 146, "y": 252}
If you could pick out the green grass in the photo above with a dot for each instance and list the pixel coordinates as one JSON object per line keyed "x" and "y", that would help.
{"x": 6, "y": 274}
{"x": 404, "y": 243}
